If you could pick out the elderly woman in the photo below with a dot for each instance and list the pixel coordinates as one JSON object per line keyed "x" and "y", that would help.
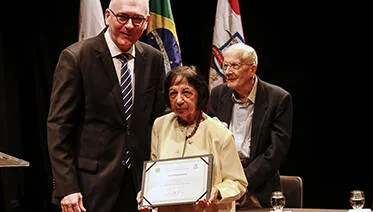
{"x": 188, "y": 131}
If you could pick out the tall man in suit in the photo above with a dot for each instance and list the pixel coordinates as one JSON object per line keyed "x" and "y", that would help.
{"x": 260, "y": 116}
{"x": 97, "y": 154}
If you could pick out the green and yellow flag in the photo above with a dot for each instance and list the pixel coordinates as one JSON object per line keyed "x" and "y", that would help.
{"x": 161, "y": 33}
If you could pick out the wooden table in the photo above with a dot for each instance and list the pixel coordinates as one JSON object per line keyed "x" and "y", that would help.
{"x": 10, "y": 161}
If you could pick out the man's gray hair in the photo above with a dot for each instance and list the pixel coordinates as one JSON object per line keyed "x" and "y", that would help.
{"x": 248, "y": 53}
{"x": 112, "y": 2}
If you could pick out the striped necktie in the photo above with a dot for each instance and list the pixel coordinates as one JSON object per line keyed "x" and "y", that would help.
{"x": 126, "y": 85}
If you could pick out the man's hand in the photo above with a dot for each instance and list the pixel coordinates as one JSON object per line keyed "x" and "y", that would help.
{"x": 73, "y": 203}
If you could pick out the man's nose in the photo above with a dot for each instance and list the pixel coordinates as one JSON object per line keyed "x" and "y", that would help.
{"x": 228, "y": 71}
{"x": 129, "y": 23}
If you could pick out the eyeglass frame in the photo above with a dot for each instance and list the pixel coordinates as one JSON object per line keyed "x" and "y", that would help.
{"x": 127, "y": 18}
{"x": 234, "y": 66}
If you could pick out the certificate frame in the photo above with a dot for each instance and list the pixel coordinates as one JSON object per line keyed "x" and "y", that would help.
{"x": 176, "y": 181}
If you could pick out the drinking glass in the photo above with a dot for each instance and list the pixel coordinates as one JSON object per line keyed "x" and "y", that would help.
{"x": 278, "y": 201}
{"x": 357, "y": 199}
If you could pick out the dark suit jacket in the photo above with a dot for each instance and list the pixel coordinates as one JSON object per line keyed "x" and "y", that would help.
{"x": 270, "y": 138}
{"x": 87, "y": 132}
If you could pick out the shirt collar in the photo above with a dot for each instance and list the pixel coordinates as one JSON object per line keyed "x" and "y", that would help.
{"x": 252, "y": 95}
{"x": 114, "y": 50}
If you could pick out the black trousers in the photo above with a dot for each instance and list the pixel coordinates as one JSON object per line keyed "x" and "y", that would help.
{"x": 127, "y": 196}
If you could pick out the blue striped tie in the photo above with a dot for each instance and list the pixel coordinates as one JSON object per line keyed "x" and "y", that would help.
{"x": 126, "y": 86}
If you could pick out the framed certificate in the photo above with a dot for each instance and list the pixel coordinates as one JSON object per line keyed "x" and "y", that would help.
{"x": 176, "y": 181}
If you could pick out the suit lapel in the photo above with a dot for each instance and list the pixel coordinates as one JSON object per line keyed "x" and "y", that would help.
{"x": 227, "y": 109}
{"x": 140, "y": 75}
{"x": 108, "y": 66}
{"x": 260, "y": 110}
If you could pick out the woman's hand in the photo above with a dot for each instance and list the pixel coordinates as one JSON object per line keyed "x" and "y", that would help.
{"x": 142, "y": 208}
{"x": 203, "y": 203}
{"x": 215, "y": 195}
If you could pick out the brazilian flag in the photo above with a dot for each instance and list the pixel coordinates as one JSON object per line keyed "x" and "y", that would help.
{"x": 161, "y": 33}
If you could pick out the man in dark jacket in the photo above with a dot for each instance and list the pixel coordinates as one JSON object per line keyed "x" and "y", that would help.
{"x": 260, "y": 116}
{"x": 97, "y": 142}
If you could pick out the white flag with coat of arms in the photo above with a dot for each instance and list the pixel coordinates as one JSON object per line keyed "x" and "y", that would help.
{"x": 91, "y": 18}
{"x": 227, "y": 31}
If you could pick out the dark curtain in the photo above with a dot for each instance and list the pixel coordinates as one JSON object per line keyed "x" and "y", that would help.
{"x": 29, "y": 46}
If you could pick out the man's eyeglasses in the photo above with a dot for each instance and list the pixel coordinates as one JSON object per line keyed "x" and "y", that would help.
{"x": 123, "y": 19}
{"x": 234, "y": 66}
